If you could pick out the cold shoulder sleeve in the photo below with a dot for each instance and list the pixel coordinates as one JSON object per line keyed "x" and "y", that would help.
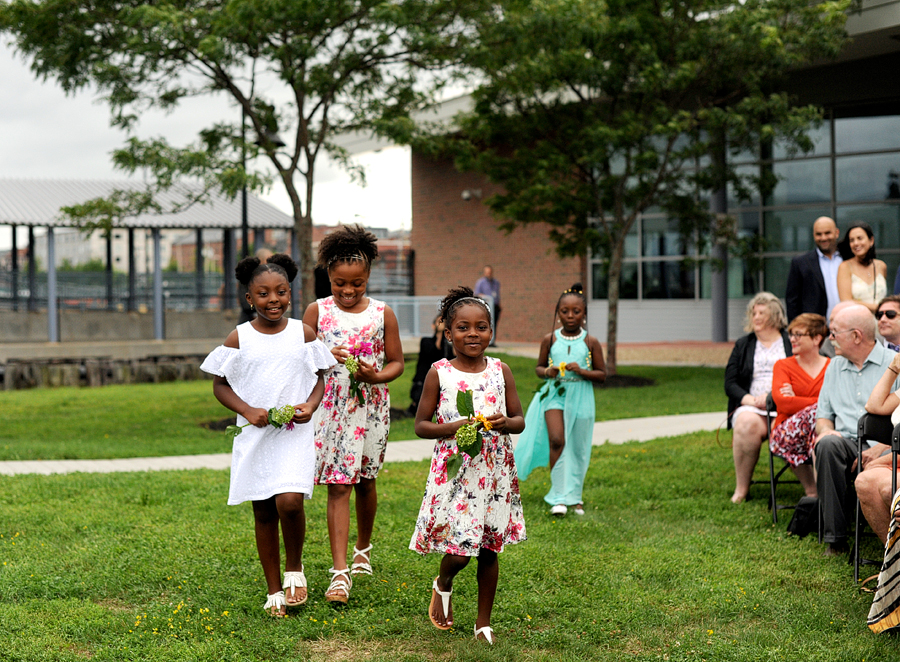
{"x": 320, "y": 356}
{"x": 221, "y": 361}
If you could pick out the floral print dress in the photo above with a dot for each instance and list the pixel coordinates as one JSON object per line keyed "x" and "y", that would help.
{"x": 480, "y": 506}
{"x": 351, "y": 438}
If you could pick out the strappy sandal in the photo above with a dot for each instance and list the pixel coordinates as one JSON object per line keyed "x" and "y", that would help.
{"x": 364, "y": 568}
{"x": 488, "y": 633}
{"x": 294, "y": 580}
{"x": 445, "y": 605}
{"x": 339, "y": 590}
{"x": 275, "y": 600}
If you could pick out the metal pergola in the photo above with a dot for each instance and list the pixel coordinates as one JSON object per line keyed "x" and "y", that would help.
{"x": 36, "y": 203}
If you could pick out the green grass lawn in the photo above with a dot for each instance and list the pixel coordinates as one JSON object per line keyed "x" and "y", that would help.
{"x": 155, "y": 566}
{"x": 151, "y": 420}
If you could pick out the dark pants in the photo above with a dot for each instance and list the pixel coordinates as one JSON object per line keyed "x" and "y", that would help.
{"x": 834, "y": 459}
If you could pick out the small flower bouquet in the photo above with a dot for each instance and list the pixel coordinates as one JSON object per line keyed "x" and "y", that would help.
{"x": 470, "y": 437}
{"x": 278, "y": 417}
{"x": 556, "y": 381}
{"x": 352, "y": 365}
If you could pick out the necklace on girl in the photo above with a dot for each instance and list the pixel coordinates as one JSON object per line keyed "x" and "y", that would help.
{"x": 581, "y": 334}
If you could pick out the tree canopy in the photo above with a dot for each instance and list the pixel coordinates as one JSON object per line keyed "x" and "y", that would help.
{"x": 307, "y": 70}
{"x": 590, "y": 112}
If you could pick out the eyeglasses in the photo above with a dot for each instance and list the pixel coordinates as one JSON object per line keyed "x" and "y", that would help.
{"x": 793, "y": 335}
{"x": 835, "y": 334}
{"x": 890, "y": 314}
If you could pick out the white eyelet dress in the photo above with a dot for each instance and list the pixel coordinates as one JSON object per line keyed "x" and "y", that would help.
{"x": 271, "y": 370}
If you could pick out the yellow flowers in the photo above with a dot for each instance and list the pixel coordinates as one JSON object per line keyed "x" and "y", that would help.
{"x": 484, "y": 421}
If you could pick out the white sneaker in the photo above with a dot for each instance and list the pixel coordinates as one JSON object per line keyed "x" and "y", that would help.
{"x": 579, "y": 509}
{"x": 559, "y": 510}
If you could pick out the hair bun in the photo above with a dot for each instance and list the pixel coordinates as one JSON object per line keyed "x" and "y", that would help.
{"x": 575, "y": 289}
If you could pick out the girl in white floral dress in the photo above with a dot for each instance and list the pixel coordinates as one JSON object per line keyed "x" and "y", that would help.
{"x": 476, "y": 510}
{"x": 353, "y": 421}
{"x": 271, "y": 362}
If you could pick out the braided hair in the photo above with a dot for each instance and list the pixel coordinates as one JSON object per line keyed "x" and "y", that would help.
{"x": 456, "y": 299}
{"x": 349, "y": 243}
{"x": 248, "y": 269}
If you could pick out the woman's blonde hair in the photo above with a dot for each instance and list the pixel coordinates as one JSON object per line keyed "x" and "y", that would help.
{"x": 777, "y": 316}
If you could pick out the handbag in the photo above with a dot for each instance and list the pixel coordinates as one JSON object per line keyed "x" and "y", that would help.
{"x": 806, "y": 517}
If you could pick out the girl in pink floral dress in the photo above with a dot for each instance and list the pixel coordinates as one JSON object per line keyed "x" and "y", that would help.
{"x": 353, "y": 420}
{"x": 475, "y": 509}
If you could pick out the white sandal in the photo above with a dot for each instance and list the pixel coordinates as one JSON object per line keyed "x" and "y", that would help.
{"x": 488, "y": 633}
{"x": 294, "y": 580}
{"x": 364, "y": 568}
{"x": 445, "y": 605}
{"x": 275, "y": 600}
{"x": 339, "y": 586}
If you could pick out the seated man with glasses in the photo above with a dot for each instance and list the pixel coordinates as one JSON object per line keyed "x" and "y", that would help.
{"x": 849, "y": 380}
{"x": 888, "y": 316}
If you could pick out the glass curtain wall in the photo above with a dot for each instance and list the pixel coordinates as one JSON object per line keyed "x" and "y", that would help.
{"x": 852, "y": 174}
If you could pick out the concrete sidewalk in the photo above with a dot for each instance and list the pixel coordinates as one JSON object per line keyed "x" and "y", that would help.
{"x": 605, "y": 432}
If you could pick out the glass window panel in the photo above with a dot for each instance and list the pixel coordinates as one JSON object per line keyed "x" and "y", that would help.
{"x": 775, "y": 275}
{"x": 791, "y": 230}
{"x": 801, "y": 181}
{"x": 668, "y": 280}
{"x": 893, "y": 270}
{"x": 820, "y": 136}
{"x": 884, "y": 219}
{"x": 661, "y": 237}
{"x": 870, "y": 177}
{"x": 742, "y": 282}
{"x": 747, "y": 170}
{"x": 628, "y": 287}
{"x": 859, "y": 134}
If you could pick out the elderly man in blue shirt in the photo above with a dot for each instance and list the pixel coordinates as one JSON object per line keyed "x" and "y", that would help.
{"x": 849, "y": 380}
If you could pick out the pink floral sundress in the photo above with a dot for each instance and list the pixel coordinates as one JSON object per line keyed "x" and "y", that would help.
{"x": 351, "y": 438}
{"x": 480, "y": 506}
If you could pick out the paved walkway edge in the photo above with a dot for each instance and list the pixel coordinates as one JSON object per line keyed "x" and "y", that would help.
{"x": 605, "y": 432}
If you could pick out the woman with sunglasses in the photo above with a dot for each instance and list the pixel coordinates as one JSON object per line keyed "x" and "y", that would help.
{"x": 796, "y": 382}
{"x": 860, "y": 276}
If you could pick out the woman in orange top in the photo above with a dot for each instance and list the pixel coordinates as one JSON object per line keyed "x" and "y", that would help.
{"x": 796, "y": 382}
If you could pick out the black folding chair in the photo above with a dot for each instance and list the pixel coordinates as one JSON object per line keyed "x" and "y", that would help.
{"x": 872, "y": 427}
{"x": 775, "y": 478}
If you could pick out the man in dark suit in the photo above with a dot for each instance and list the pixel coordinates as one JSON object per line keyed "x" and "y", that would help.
{"x": 812, "y": 280}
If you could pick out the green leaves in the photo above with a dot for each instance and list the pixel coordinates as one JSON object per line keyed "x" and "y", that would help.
{"x": 464, "y": 404}
{"x": 469, "y": 437}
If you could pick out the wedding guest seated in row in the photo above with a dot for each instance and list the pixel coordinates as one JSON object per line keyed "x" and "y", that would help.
{"x": 748, "y": 380}
{"x": 888, "y": 317}
{"x": 873, "y": 486}
{"x": 796, "y": 382}
{"x": 849, "y": 380}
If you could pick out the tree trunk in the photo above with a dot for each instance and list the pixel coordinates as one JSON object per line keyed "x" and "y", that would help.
{"x": 303, "y": 225}
{"x": 614, "y": 275}
{"x": 303, "y": 229}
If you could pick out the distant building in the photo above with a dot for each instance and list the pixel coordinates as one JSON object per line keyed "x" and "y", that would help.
{"x": 853, "y": 174}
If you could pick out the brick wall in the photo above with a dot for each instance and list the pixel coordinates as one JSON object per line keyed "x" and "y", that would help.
{"x": 454, "y": 238}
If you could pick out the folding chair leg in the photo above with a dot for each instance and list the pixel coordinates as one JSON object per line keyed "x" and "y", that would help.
{"x": 772, "y": 480}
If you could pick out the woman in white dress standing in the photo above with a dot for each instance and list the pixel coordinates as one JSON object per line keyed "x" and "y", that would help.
{"x": 268, "y": 363}
{"x": 860, "y": 276}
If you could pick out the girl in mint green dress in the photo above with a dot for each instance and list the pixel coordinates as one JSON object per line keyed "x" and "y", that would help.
{"x": 559, "y": 424}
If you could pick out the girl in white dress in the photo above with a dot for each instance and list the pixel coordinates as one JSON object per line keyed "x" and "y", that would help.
{"x": 268, "y": 363}
{"x": 472, "y": 509}
{"x": 353, "y": 422}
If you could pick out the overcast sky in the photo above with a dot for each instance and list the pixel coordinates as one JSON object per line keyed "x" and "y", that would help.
{"x": 45, "y": 134}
